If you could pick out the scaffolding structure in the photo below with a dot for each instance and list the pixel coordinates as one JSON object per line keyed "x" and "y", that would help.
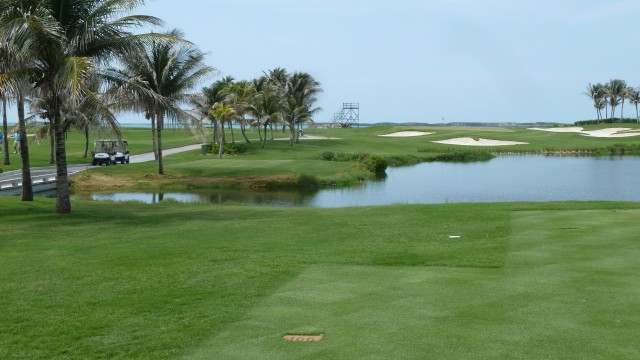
{"x": 347, "y": 116}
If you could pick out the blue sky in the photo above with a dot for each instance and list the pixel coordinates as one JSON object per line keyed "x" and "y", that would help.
{"x": 410, "y": 60}
{"x": 424, "y": 61}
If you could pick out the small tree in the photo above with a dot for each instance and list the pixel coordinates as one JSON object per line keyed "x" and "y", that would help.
{"x": 225, "y": 115}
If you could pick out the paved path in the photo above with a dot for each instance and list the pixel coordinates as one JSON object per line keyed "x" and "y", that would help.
{"x": 12, "y": 180}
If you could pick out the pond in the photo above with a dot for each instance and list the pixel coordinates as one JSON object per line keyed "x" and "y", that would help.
{"x": 503, "y": 179}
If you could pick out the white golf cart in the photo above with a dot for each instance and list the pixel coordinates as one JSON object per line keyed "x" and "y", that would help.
{"x": 108, "y": 152}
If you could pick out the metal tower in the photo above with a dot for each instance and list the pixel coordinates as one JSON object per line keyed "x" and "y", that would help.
{"x": 348, "y": 116}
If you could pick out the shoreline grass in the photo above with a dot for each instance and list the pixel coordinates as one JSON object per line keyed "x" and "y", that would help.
{"x": 281, "y": 165}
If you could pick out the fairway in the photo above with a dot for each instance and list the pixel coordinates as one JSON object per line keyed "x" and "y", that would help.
{"x": 450, "y": 221}
{"x": 166, "y": 281}
{"x": 568, "y": 290}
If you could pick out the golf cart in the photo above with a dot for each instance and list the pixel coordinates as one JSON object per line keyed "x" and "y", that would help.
{"x": 107, "y": 152}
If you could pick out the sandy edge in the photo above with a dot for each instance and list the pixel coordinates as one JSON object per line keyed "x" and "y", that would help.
{"x": 407, "y": 134}
{"x": 467, "y": 141}
{"x": 602, "y": 133}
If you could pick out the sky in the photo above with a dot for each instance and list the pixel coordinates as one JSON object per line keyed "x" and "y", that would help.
{"x": 423, "y": 60}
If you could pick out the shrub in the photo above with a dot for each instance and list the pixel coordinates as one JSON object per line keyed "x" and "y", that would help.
{"x": 359, "y": 156}
{"x": 464, "y": 156}
{"x": 376, "y": 164}
{"x": 229, "y": 149}
{"x": 327, "y": 156}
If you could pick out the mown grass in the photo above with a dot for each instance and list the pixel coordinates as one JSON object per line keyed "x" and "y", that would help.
{"x": 278, "y": 160}
{"x": 544, "y": 280}
{"x": 139, "y": 141}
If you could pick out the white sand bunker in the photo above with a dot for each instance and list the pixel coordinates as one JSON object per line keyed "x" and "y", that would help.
{"x": 572, "y": 129}
{"x": 407, "y": 134}
{"x": 467, "y": 141}
{"x": 602, "y": 133}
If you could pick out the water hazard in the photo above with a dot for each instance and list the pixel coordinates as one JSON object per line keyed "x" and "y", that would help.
{"x": 503, "y": 179}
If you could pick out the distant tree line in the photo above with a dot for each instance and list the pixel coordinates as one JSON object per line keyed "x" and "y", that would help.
{"x": 273, "y": 99}
{"x": 610, "y": 95}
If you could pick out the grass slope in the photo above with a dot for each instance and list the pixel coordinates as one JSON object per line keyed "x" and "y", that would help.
{"x": 565, "y": 292}
{"x": 178, "y": 280}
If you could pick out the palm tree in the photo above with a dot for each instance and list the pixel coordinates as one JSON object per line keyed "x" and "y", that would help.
{"x": 27, "y": 186}
{"x": 66, "y": 40}
{"x": 626, "y": 93}
{"x": 16, "y": 81}
{"x": 266, "y": 107}
{"x": 241, "y": 95}
{"x": 601, "y": 103}
{"x": 218, "y": 92}
{"x": 160, "y": 75}
{"x": 301, "y": 93}
{"x": 278, "y": 79}
{"x": 615, "y": 90}
{"x": 596, "y": 93}
{"x": 4, "y": 68}
{"x": 225, "y": 115}
{"x": 5, "y": 143}
{"x": 634, "y": 99}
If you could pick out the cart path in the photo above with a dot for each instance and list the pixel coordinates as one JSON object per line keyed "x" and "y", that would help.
{"x": 11, "y": 180}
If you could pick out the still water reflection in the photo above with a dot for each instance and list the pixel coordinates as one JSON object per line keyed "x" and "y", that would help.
{"x": 507, "y": 178}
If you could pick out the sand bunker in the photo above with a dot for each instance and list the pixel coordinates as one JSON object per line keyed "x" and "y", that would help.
{"x": 602, "y": 133}
{"x": 573, "y": 129}
{"x": 407, "y": 134}
{"x": 467, "y": 141}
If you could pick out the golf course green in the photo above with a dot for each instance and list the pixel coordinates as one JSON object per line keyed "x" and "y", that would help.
{"x": 198, "y": 281}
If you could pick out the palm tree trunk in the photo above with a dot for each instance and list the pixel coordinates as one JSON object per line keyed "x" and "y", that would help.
{"x": 221, "y": 150}
{"x": 271, "y": 128}
{"x": 233, "y": 138}
{"x": 613, "y": 113}
{"x": 215, "y": 131}
{"x": 63, "y": 201}
{"x": 154, "y": 136}
{"x": 264, "y": 142}
{"x": 86, "y": 140}
{"x": 637, "y": 115}
{"x": 27, "y": 186}
{"x": 292, "y": 133}
{"x": 243, "y": 131}
{"x": 160, "y": 118}
{"x": 260, "y": 133}
{"x": 5, "y": 142}
{"x": 52, "y": 143}
{"x": 622, "y": 109}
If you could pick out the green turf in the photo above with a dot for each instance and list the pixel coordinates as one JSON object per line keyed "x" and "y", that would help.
{"x": 164, "y": 281}
{"x": 139, "y": 141}
{"x": 568, "y": 290}
{"x": 355, "y": 140}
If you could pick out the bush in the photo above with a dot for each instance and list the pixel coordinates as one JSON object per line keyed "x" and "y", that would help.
{"x": 464, "y": 156}
{"x": 376, "y": 164}
{"x": 345, "y": 157}
{"x": 327, "y": 156}
{"x": 229, "y": 148}
{"x": 606, "y": 121}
